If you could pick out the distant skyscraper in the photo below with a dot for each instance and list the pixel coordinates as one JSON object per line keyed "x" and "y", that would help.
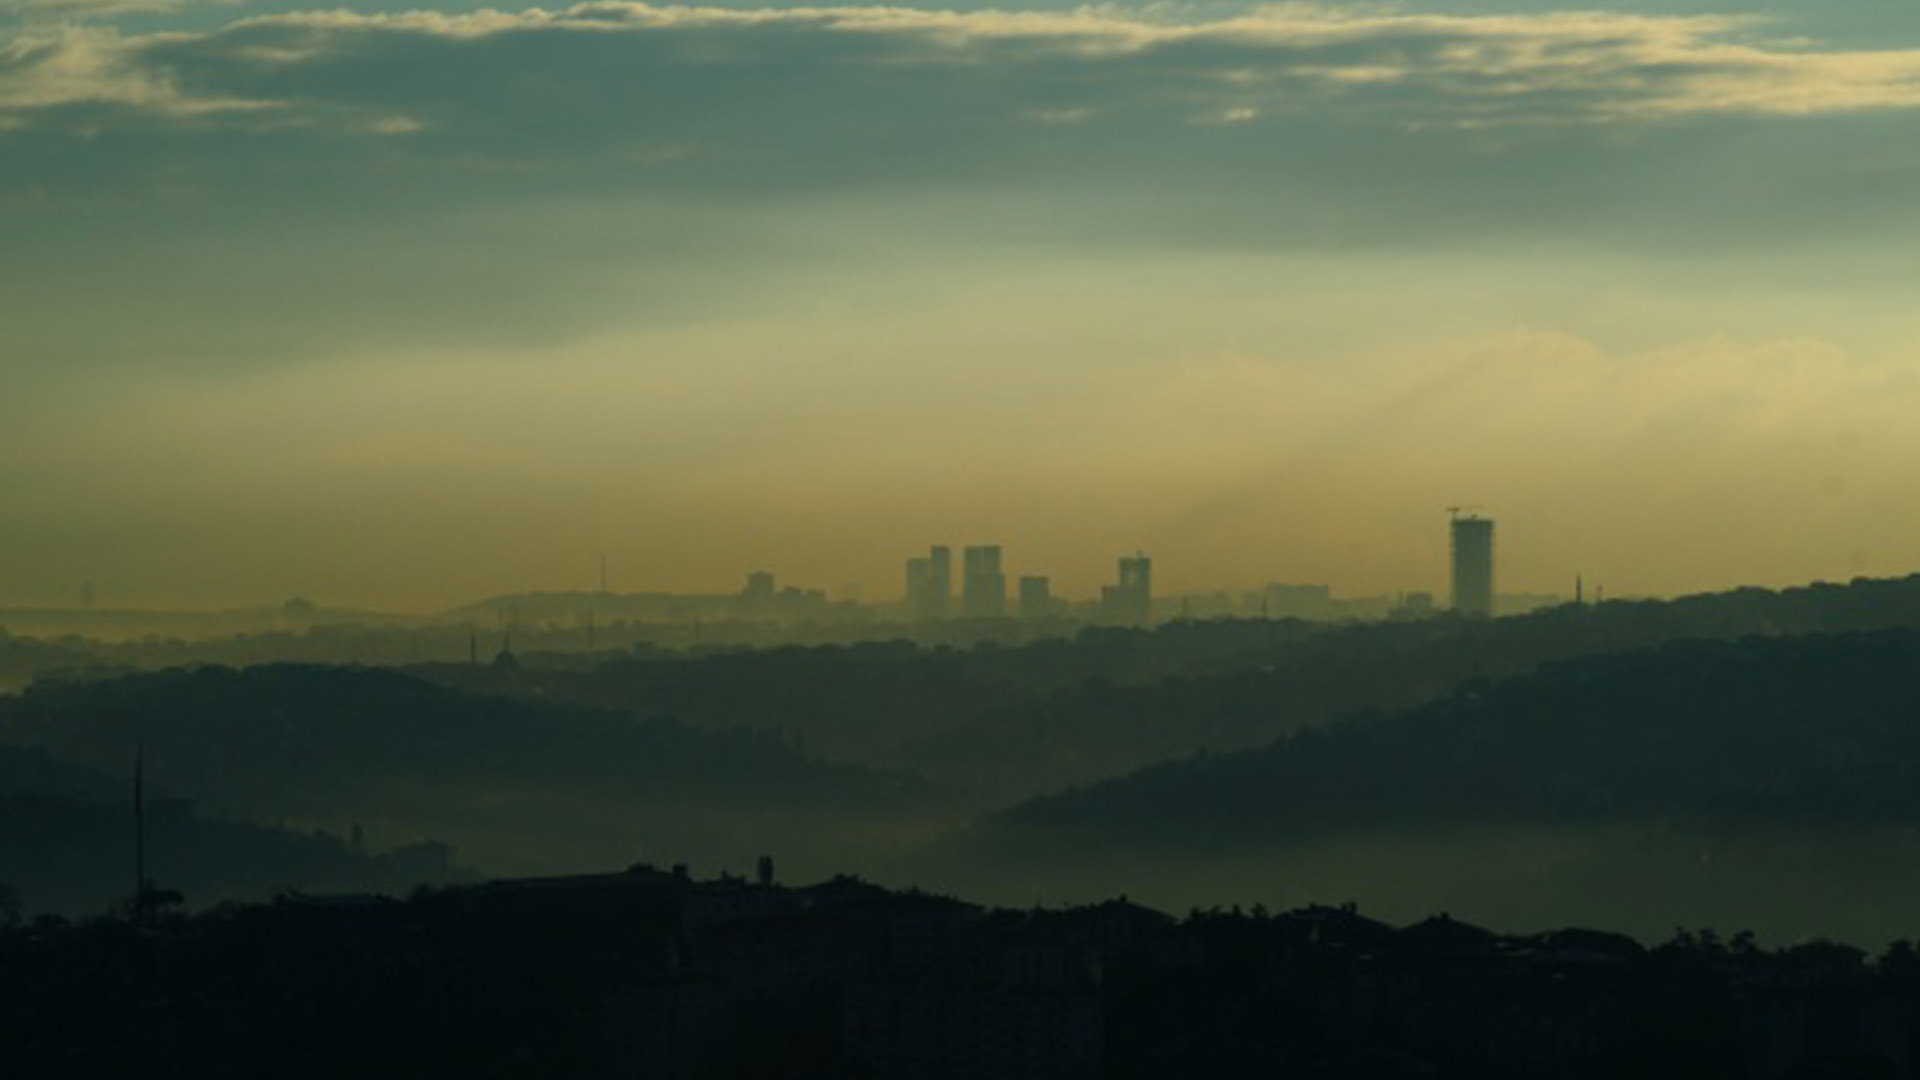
{"x": 759, "y": 590}
{"x": 983, "y": 589}
{"x": 1131, "y": 599}
{"x": 930, "y": 583}
{"x": 1473, "y": 566}
{"x": 940, "y": 560}
{"x": 1036, "y": 597}
{"x": 919, "y": 583}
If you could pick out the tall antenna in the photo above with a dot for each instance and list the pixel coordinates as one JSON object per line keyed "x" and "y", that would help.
{"x": 603, "y": 575}
{"x": 139, "y": 832}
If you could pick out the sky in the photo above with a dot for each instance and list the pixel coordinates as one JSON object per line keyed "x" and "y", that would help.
{"x": 400, "y": 305}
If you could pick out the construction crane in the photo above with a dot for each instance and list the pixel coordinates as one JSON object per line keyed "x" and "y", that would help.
{"x": 1454, "y": 512}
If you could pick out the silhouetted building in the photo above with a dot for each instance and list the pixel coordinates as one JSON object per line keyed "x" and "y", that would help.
{"x": 759, "y": 589}
{"x": 1131, "y": 600}
{"x": 940, "y": 560}
{"x": 1413, "y": 605}
{"x": 504, "y": 660}
{"x": 1297, "y": 601}
{"x": 984, "y": 588}
{"x": 794, "y": 604}
{"x": 1036, "y": 597}
{"x": 919, "y": 581}
{"x": 930, "y": 583}
{"x": 1473, "y": 566}
{"x": 1207, "y": 605}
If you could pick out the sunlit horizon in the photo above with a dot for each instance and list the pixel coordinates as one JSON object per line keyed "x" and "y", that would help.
{"x": 405, "y": 305}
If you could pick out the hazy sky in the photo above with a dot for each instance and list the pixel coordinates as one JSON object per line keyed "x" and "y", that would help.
{"x": 400, "y": 305}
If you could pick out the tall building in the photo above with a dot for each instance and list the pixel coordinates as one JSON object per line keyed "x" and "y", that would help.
{"x": 919, "y": 585}
{"x": 1131, "y": 599}
{"x": 983, "y": 589}
{"x": 1036, "y": 597}
{"x": 758, "y": 593}
{"x": 930, "y": 584}
{"x": 939, "y": 581}
{"x": 1473, "y": 566}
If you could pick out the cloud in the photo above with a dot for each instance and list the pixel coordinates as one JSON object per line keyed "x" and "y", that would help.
{"x": 244, "y": 188}
{"x": 1393, "y": 65}
{"x": 1561, "y": 65}
{"x": 1312, "y": 120}
{"x": 49, "y": 69}
{"x": 71, "y": 9}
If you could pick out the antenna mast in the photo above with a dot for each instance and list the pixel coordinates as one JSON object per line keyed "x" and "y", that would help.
{"x": 139, "y": 832}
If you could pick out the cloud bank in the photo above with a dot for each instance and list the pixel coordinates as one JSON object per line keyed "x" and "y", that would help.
{"x": 675, "y": 72}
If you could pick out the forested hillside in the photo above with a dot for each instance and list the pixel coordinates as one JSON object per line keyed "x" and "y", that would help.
{"x": 517, "y": 786}
{"x": 1010, "y": 723}
{"x": 1772, "y": 782}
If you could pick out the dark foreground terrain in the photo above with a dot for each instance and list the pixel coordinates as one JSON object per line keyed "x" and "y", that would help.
{"x": 652, "y": 974}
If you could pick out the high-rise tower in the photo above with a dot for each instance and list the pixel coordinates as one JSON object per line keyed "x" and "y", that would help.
{"x": 1036, "y": 597}
{"x": 1473, "y": 565}
{"x": 919, "y": 585}
{"x": 984, "y": 588}
{"x": 1130, "y": 600}
{"x": 930, "y": 583}
{"x": 939, "y": 581}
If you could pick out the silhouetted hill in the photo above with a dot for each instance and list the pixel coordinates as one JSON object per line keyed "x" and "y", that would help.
{"x": 76, "y": 856}
{"x": 66, "y": 844}
{"x": 570, "y": 606}
{"x": 30, "y": 771}
{"x": 1771, "y": 782}
{"x": 648, "y": 974}
{"x": 24, "y": 659}
{"x": 515, "y": 783}
{"x": 1012, "y": 722}
{"x": 1821, "y": 729}
{"x": 133, "y": 627}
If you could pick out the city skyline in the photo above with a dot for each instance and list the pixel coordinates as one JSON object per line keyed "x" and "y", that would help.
{"x": 932, "y": 589}
{"x": 329, "y": 303}
{"x": 991, "y": 587}
{"x": 483, "y": 484}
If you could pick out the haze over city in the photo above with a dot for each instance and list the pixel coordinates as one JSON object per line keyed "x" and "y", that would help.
{"x": 765, "y": 541}
{"x": 398, "y": 308}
